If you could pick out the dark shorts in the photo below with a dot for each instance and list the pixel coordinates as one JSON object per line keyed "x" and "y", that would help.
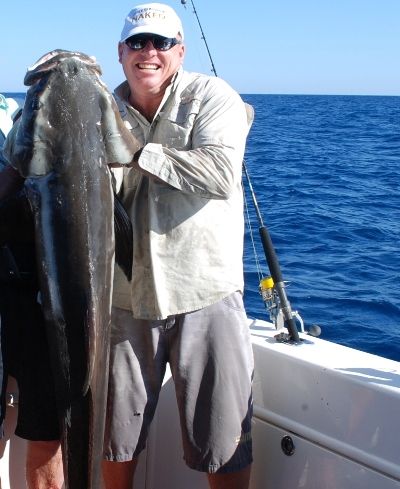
{"x": 211, "y": 360}
{"x": 23, "y": 336}
{"x": 28, "y": 361}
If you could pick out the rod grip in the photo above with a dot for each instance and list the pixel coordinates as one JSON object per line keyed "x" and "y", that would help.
{"x": 271, "y": 256}
{"x": 276, "y": 274}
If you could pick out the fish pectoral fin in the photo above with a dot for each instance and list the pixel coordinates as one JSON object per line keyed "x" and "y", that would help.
{"x": 120, "y": 143}
{"x": 123, "y": 238}
{"x": 30, "y": 154}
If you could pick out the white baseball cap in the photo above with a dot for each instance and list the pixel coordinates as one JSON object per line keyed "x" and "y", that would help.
{"x": 152, "y": 18}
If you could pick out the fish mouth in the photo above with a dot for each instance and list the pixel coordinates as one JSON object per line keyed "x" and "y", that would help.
{"x": 148, "y": 66}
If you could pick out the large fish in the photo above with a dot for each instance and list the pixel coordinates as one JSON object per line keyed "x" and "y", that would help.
{"x": 69, "y": 131}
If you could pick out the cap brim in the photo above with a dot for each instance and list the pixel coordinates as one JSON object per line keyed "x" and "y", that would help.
{"x": 145, "y": 29}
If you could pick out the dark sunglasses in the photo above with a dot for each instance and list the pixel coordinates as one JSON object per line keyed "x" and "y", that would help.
{"x": 161, "y": 43}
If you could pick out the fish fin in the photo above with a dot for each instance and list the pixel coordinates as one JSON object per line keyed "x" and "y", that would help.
{"x": 123, "y": 238}
{"x": 120, "y": 143}
{"x": 27, "y": 147}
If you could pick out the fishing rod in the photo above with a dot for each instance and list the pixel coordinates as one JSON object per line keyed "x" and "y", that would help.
{"x": 183, "y": 2}
{"x": 272, "y": 288}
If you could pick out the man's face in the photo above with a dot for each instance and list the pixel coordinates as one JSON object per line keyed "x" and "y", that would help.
{"x": 148, "y": 70}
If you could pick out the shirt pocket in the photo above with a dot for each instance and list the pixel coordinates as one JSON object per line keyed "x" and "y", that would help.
{"x": 135, "y": 129}
{"x": 175, "y": 126}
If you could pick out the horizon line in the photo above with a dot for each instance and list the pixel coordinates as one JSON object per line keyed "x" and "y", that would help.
{"x": 9, "y": 92}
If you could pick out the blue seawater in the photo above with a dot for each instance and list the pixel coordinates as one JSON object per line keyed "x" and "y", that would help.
{"x": 326, "y": 174}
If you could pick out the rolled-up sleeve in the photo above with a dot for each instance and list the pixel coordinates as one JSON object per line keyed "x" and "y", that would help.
{"x": 211, "y": 167}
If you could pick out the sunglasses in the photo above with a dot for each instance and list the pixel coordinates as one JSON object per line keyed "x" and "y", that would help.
{"x": 139, "y": 41}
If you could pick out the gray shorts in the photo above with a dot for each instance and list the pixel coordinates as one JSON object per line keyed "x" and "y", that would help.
{"x": 211, "y": 360}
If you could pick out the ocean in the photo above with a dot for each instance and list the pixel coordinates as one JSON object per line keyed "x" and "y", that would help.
{"x": 326, "y": 174}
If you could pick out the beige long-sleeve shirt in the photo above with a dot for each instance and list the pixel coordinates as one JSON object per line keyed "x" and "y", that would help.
{"x": 188, "y": 223}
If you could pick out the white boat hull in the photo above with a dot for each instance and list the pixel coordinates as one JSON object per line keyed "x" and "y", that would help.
{"x": 339, "y": 407}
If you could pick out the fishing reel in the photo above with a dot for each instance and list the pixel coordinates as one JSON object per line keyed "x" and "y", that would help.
{"x": 278, "y": 313}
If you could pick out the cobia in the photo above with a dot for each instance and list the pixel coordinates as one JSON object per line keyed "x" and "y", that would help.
{"x": 69, "y": 131}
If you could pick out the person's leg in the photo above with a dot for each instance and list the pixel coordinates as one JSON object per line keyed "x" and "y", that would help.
{"x": 37, "y": 413}
{"x": 44, "y": 469}
{"x": 212, "y": 365}
{"x": 119, "y": 475}
{"x": 232, "y": 480}
{"x": 137, "y": 366}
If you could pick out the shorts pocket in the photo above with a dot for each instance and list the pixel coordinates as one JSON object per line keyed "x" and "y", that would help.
{"x": 234, "y": 301}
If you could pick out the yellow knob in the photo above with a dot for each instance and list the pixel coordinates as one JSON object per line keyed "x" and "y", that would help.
{"x": 267, "y": 283}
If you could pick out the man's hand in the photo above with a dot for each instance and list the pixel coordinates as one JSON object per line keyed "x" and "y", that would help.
{"x": 132, "y": 164}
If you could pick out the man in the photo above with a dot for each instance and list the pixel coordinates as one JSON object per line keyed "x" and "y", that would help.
{"x": 184, "y": 304}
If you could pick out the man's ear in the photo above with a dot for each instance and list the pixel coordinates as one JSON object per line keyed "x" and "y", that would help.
{"x": 182, "y": 52}
{"x": 120, "y": 48}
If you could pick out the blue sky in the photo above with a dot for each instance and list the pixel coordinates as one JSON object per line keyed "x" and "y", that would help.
{"x": 264, "y": 46}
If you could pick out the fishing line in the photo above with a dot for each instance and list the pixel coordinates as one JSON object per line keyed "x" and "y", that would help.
{"x": 183, "y": 2}
{"x": 251, "y": 233}
{"x": 272, "y": 288}
{"x": 248, "y": 219}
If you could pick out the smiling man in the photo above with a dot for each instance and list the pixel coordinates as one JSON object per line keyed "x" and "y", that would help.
{"x": 151, "y": 59}
{"x": 184, "y": 304}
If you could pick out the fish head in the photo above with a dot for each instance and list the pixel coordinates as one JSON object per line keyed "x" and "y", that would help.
{"x": 52, "y": 60}
{"x": 40, "y": 127}
{"x": 120, "y": 144}
{"x": 66, "y": 98}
